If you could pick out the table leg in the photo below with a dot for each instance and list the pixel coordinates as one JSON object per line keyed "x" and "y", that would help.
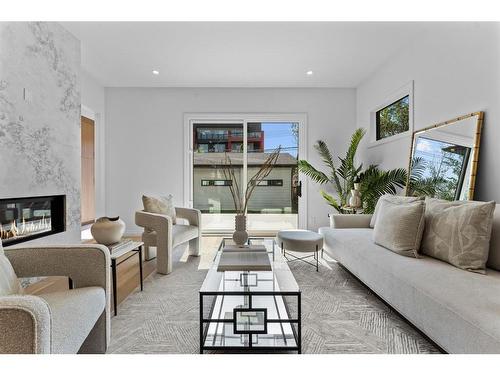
{"x": 299, "y": 325}
{"x": 317, "y": 256}
{"x": 201, "y": 324}
{"x": 113, "y": 274}
{"x": 140, "y": 267}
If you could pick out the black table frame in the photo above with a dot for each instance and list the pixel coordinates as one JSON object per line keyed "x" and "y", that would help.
{"x": 114, "y": 264}
{"x": 297, "y": 333}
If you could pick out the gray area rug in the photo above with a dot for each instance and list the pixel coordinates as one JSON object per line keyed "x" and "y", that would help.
{"x": 339, "y": 314}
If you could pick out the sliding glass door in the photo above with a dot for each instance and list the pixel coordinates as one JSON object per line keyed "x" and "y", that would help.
{"x": 274, "y": 201}
{"x": 245, "y": 145}
{"x": 213, "y": 145}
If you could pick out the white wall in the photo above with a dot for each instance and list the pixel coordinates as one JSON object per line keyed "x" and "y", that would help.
{"x": 93, "y": 107}
{"x": 144, "y": 144}
{"x": 40, "y": 137}
{"x": 455, "y": 71}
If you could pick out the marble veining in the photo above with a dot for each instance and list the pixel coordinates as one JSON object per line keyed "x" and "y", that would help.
{"x": 66, "y": 76}
{"x": 40, "y": 130}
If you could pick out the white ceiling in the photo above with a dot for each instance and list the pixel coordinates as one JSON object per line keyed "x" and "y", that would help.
{"x": 244, "y": 54}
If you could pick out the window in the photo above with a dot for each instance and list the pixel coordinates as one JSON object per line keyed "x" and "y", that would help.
{"x": 236, "y": 147}
{"x": 216, "y": 182}
{"x": 218, "y": 147}
{"x": 249, "y": 142}
{"x": 203, "y": 148}
{"x": 212, "y": 134}
{"x": 393, "y": 119}
{"x": 270, "y": 183}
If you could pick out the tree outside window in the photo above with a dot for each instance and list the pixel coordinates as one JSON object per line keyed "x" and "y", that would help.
{"x": 394, "y": 118}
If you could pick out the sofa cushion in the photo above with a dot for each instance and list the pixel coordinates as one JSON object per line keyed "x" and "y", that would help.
{"x": 9, "y": 283}
{"x": 396, "y": 199}
{"x": 456, "y": 309}
{"x": 494, "y": 255}
{"x": 184, "y": 233}
{"x": 400, "y": 226}
{"x": 458, "y": 232}
{"x": 180, "y": 233}
{"x": 74, "y": 313}
{"x": 160, "y": 205}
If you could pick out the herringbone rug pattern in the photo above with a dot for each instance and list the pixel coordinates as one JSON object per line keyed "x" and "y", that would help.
{"x": 339, "y": 314}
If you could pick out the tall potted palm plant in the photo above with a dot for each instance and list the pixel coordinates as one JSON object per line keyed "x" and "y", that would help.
{"x": 373, "y": 181}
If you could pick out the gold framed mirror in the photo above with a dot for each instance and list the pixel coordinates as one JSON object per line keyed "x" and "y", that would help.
{"x": 444, "y": 157}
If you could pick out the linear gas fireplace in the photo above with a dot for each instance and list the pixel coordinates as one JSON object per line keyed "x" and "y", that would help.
{"x": 24, "y": 219}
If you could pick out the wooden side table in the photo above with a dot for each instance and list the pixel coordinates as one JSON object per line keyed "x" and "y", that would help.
{"x": 133, "y": 247}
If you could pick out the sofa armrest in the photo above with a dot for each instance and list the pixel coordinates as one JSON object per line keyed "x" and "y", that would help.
{"x": 340, "y": 221}
{"x": 86, "y": 265}
{"x": 192, "y": 215}
{"x": 25, "y": 325}
{"x": 152, "y": 221}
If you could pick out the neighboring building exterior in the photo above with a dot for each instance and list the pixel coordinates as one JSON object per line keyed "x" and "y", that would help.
{"x": 276, "y": 194}
{"x": 227, "y": 138}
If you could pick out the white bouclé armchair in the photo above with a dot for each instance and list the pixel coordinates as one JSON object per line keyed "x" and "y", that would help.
{"x": 65, "y": 322}
{"x": 160, "y": 232}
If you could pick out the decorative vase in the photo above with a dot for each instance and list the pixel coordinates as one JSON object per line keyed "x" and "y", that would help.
{"x": 240, "y": 235}
{"x": 355, "y": 199}
{"x": 108, "y": 230}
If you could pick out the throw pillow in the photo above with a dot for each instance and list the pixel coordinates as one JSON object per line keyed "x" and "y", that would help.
{"x": 400, "y": 226}
{"x": 494, "y": 256}
{"x": 160, "y": 205}
{"x": 458, "y": 232}
{"x": 9, "y": 283}
{"x": 396, "y": 199}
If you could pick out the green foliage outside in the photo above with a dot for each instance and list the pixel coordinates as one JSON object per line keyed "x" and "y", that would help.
{"x": 393, "y": 119}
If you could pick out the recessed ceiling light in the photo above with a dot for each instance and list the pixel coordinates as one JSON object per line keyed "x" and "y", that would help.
{"x": 309, "y": 72}
{"x": 155, "y": 72}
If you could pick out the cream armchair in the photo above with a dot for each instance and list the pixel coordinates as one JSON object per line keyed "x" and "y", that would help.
{"x": 160, "y": 232}
{"x": 69, "y": 321}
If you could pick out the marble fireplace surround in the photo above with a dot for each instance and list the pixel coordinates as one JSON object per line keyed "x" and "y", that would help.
{"x": 40, "y": 117}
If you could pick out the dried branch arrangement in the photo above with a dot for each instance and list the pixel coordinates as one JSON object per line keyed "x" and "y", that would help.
{"x": 241, "y": 198}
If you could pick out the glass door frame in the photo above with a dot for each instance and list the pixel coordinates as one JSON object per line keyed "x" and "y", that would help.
{"x": 244, "y": 118}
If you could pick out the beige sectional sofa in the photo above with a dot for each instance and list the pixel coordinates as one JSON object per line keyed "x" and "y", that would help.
{"x": 457, "y": 309}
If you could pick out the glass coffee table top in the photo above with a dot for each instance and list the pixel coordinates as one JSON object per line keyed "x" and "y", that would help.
{"x": 280, "y": 279}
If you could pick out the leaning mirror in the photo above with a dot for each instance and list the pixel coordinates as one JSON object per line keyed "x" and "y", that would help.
{"x": 444, "y": 158}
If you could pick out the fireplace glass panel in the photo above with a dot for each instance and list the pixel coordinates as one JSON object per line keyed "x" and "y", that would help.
{"x": 24, "y": 219}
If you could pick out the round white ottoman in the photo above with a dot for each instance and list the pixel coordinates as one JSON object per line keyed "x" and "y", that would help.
{"x": 303, "y": 241}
